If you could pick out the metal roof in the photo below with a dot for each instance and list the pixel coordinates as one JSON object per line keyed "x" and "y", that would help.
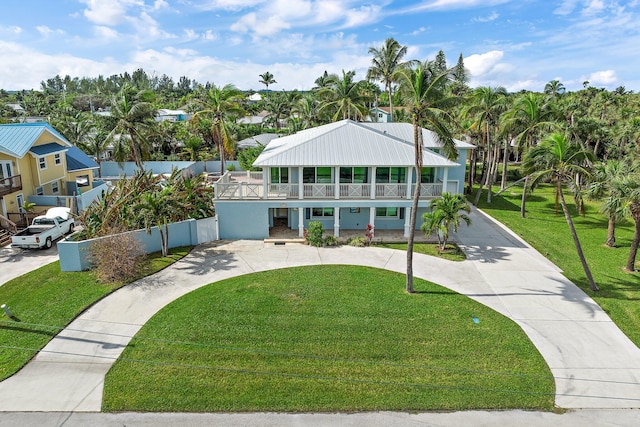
{"x": 254, "y": 141}
{"x": 44, "y": 149}
{"x": 404, "y": 131}
{"x": 16, "y": 139}
{"x": 78, "y": 160}
{"x": 345, "y": 143}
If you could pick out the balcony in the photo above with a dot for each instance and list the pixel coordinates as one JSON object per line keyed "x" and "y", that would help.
{"x": 10, "y": 185}
{"x": 241, "y": 187}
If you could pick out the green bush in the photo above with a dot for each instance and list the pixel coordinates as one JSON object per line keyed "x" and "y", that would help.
{"x": 315, "y": 234}
{"x": 331, "y": 241}
{"x": 358, "y": 242}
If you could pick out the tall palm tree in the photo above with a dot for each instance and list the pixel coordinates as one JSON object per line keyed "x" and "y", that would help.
{"x": 422, "y": 91}
{"x": 487, "y": 104}
{"x": 217, "y": 104}
{"x": 267, "y": 79}
{"x": 554, "y": 88}
{"x": 345, "y": 98}
{"x": 529, "y": 116}
{"x": 556, "y": 159}
{"x": 133, "y": 113}
{"x": 385, "y": 63}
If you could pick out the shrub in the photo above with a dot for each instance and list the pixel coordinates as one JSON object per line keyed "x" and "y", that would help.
{"x": 116, "y": 258}
{"x": 358, "y": 242}
{"x": 368, "y": 234}
{"x": 231, "y": 167}
{"x": 331, "y": 241}
{"x": 315, "y": 234}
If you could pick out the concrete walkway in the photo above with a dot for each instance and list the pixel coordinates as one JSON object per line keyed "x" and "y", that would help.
{"x": 594, "y": 364}
{"x": 15, "y": 262}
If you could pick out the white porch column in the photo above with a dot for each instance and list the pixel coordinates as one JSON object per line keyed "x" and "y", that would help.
{"x": 407, "y": 225}
{"x": 300, "y": 222}
{"x": 336, "y": 222}
{"x": 445, "y": 177}
{"x": 336, "y": 184}
{"x": 266, "y": 172}
{"x": 300, "y": 184}
{"x": 372, "y": 220}
{"x": 409, "y": 181}
{"x": 373, "y": 183}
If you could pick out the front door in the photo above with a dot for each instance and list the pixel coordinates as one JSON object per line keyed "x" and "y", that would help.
{"x": 5, "y": 170}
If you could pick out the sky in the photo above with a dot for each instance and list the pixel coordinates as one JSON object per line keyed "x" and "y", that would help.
{"x": 517, "y": 44}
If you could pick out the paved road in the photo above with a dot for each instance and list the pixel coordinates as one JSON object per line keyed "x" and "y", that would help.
{"x": 15, "y": 262}
{"x": 594, "y": 364}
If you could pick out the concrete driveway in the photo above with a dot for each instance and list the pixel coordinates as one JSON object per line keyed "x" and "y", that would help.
{"x": 15, "y": 262}
{"x": 594, "y": 364}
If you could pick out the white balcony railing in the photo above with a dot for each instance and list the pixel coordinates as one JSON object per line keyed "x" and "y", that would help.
{"x": 227, "y": 187}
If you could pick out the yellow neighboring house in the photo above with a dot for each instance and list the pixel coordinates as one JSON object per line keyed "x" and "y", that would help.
{"x": 36, "y": 160}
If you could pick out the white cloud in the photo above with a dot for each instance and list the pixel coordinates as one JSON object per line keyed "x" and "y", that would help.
{"x": 105, "y": 33}
{"x": 566, "y": 7}
{"x": 14, "y": 29}
{"x": 418, "y": 31}
{"x": 483, "y": 63}
{"x": 606, "y": 78}
{"x": 491, "y": 17}
{"x": 107, "y": 12}
{"x": 230, "y": 5}
{"x": 594, "y": 7}
{"x": 46, "y": 31}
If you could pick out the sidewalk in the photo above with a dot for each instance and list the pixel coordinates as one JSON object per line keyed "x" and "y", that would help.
{"x": 594, "y": 364}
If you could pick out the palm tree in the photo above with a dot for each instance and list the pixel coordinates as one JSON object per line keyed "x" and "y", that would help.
{"x": 529, "y": 116}
{"x": 607, "y": 185}
{"x": 556, "y": 159}
{"x": 554, "y": 88}
{"x": 423, "y": 93}
{"x": 217, "y": 104}
{"x": 133, "y": 113}
{"x": 447, "y": 212}
{"x": 631, "y": 193}
{"x": 267, "y": 79}
{"x": 346, "y": 97}
{"x": 487, "y": 104}
{"x": 385, "y": 63}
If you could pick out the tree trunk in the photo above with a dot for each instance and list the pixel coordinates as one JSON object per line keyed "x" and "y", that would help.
{"x": 417, "y": 138}
{"x": 523, "y": 202}
{"x": 505, "y": 161}
{"x": 633, "y": 251}
{"x": 576, "y": 241}
{"x": 472, "y": 171}
{"x": 390, "y": 91}
{"x": 611, "y": 232}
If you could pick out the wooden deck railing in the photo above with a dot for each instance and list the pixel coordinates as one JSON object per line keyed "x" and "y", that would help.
{"x": 10, "y": 185}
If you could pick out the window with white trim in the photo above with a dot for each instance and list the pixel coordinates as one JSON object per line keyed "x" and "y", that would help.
{"x": 387, "y": 212}
{"x": 321, "y": 212}
{"x": 57, "y": 159}
{"x": 279, "y": 175}
{"x": 39, "y": 191}
{"x": 55, "y": 188}
{"x": 42, "y": 162}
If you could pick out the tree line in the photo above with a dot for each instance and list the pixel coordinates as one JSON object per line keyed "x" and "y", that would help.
{"x": 603, "y": 126}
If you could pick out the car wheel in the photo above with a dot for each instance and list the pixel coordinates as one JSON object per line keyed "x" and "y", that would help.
{"x": 48, "y": 243}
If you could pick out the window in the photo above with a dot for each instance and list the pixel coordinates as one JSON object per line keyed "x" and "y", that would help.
{"x": 321, "y": 212}
{"x": 391, "y": 175}
{"x": 42, "y": 162}
{"x": 320, "y": 175}
{"x": 279, "y": 175}
{"x": 387, "y": 212}
{"x": 39, "y": 191}
{"x": 428, "y": 175}
{"x": 357, "y": 175}
{"x": 82, "y": 180}
{"x": 54, "y": 187}
{"x": 57, "y": 159}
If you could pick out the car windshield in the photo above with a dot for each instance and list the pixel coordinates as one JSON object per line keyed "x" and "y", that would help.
{"x": 43, "y": 221}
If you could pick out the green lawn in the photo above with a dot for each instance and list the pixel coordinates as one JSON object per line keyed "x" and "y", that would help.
{"x": 548, "y": 232}
{"x": 327, "y": 338}
{"x": 44, "y": 301}
{"x": 451, "y": 253}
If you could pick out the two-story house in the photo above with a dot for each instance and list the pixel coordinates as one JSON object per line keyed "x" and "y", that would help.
{"x": 344, "y": 174}
{"x": 36, "y": 160}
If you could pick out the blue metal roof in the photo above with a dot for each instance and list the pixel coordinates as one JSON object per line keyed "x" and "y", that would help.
{"x": 16, "y": 139}
{"x": 44, "y": 149}
{"x": 78, "y": 160}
